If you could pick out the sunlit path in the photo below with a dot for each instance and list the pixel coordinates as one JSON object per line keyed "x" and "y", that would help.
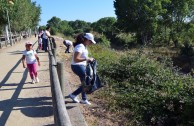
{"x": 23, "y": 103}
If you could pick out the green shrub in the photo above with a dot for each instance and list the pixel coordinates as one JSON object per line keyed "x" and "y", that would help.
{"x": 125, "y": 40}
{"x": 101, "y": 39}
{"x": 154, "y": 92}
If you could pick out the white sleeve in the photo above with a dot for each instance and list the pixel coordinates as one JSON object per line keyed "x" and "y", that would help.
{"x": 24, "y": 52}
{"x": 79, "y": 48}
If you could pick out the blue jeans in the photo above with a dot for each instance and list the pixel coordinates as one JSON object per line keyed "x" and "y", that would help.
{"x": 45, "y": 44}
{"x": 80, "y": 70}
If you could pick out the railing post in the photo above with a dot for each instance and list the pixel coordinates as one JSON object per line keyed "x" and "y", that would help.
{"x": 60, "y": 71}
{"x": 61, "y": 117}
{"x": 54, "y": 52}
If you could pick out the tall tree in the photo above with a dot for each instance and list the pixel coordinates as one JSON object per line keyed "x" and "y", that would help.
{"x": 79, "y": 25}
{"x": 104, "y": 25}
{"x": 65, "y": 28}
{"x": 54, "y": 22}
{"x": 23, "y": 14}
{"x": 138, "y": 16}
{"x": 178, "y": 13}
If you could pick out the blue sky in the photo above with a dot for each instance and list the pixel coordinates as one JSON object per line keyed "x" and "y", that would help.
{"x": 71, "y": 10}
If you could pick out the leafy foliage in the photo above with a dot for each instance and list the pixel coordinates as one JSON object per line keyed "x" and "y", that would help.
{"x": 154, "y": 93}
{"x": 27, "y": 13}
{"x": 155, "y": 21}
{"x": 104, "y": 26}
{"x": 101, "y": 39}
{"x": 80, "y": 25}
{"x": 125, "y": 40}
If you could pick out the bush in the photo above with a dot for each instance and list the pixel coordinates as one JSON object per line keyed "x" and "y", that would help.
{"x": 154, "y": 92}
{"x": 101, "y": 39}
{"x": 125, "y": 40}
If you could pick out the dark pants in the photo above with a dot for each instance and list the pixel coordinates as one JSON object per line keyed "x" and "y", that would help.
{"x": 45, "y": 44}
{"x": 68, "y": 47}
{"x": 67, "y": 50}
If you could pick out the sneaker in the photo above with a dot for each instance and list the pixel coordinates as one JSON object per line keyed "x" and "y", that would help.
{"x": 33, "y": 81}
{"x": 85, "y": 102}
{"x": 74, "y": 98}
{"x": 37, "y": 79}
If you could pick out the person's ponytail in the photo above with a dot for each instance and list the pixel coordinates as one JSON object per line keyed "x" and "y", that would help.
{"x": 79, "y": 39}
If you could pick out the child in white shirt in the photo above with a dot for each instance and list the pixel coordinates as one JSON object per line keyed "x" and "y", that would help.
{"x": 40, "y": 44}
{"x": 29, "y": 58}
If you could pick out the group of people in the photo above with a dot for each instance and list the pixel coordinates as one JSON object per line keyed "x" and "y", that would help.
{"x": 78, "y": 63}
{"x": 43, "y": 37}
{"x": 30, "y": 56}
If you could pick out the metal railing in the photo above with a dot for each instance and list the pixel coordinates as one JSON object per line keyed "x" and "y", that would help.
{"x": 61, "y": 116}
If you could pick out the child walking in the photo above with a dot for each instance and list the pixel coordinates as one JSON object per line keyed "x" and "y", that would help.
{"x": 29, "y": 58}
{"x": 40, "y": 44}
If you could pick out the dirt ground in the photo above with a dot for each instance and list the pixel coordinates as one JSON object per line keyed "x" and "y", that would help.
{"x": 95, "y": 114}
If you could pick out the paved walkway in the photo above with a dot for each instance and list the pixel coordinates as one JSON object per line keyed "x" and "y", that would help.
{"x": 23, "y": 103}
{"x": 26, "y": 104}
{"x": 73, "y": 109}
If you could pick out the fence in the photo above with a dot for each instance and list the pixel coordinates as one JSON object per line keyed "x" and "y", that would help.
{"x": 12, "y": 40}
{"x": 61, "y": 117}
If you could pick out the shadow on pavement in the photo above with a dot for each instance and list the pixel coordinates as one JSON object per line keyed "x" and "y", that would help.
{"x": 9, "y": 74}
{"x": 49, "y": 125}
{"x": 16, "y": 52}
{"x": 7, "y": 108}
{"x": 42, "y": 111}
{"x": 24, "y": 88}
{"x": 31, "y": 107}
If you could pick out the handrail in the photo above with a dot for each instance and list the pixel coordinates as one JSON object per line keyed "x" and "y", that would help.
{"x": 61, "y": 117}
{"x": 5, "y": 42}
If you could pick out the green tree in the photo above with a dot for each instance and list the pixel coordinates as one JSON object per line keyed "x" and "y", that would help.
{"x": 104, "y": 25}
{"x": 178, "y": 13}
{"x": 54, "y": 22}
{"x": 3, "y": 6}
{"x": 23, "y": 14}
{"x": 65, "y": 28}
{"x": 80, "y": 26}
{"x": 138, "y": 16}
